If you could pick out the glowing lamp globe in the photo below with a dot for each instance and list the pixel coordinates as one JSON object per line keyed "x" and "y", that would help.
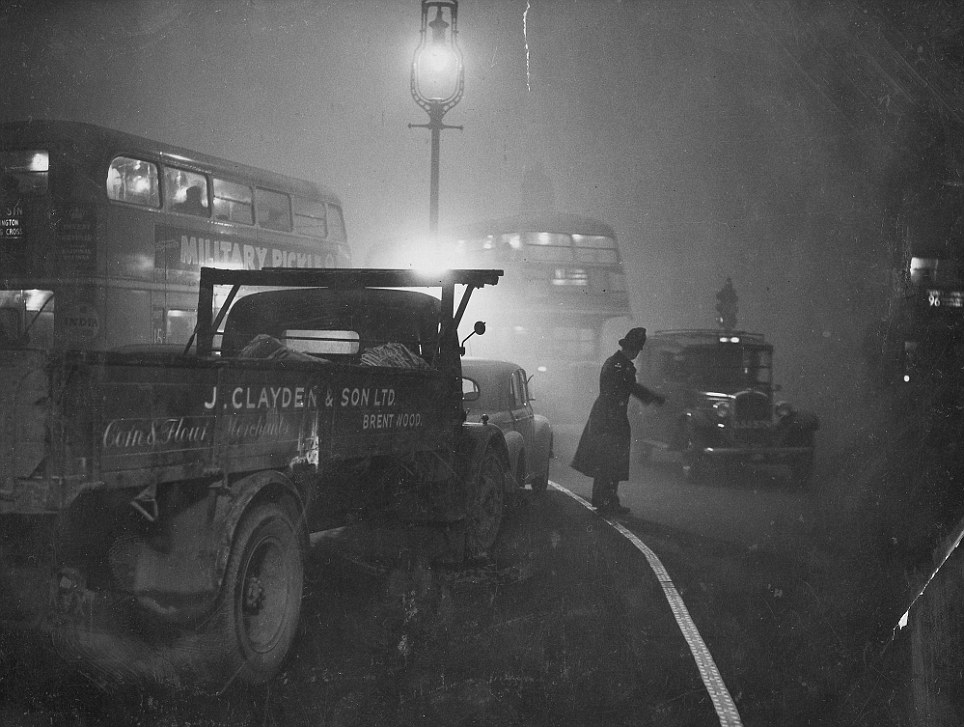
{"x": 438, "y": 75}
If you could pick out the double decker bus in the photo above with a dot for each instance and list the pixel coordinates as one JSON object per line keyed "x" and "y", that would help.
{"x": 561, "y": 307}
{"x": 103, "y": 234}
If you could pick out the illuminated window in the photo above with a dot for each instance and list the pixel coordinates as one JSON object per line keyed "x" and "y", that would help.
{"x": 27, "y": 317}
{"x": 599, "y": 242}
{"x": 273, "y": 210}
{"x": 325, "y": 343}
{"x": 186, "y": 192}
{"x": 311, "y": 217}
{"x": 512, "y": 240}
{"x": 547, "y": 238}
{"x": 133, "y": 181}
{"x": 577, "y": 277}
{"x": 547, "y": 247}
{"x": 28, "y": 168}
{"x": 179, "y": 325}
{"x": 233, "y": 202}
{"x": 923, "y": 269}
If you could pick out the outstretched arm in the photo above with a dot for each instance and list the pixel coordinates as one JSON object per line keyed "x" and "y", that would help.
{"x": 615, "y": 379}
{"x": 646, "y": 395}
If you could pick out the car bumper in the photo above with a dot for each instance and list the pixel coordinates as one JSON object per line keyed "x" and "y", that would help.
{"x": 768, "y": 454}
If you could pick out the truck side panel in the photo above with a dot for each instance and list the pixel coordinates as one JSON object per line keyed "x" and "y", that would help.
{"x": 234, "y": 417}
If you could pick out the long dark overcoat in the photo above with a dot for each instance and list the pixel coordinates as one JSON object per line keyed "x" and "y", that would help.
{"x": 603, "y": 450}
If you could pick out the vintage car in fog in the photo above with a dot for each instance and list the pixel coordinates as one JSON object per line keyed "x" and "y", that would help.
{"x": 720, "y": 405}
{"x": 498, "y": 391}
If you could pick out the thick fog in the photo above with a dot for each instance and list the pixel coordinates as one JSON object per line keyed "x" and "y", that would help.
{"x": 774, "y": 143}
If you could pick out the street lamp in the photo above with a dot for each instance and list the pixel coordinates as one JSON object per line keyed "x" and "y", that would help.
{"x": 438, "y": 79}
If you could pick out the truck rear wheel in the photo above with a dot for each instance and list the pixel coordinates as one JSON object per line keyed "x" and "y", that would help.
{"x": 260, "y": 601}
{"x": 486, "y": 504}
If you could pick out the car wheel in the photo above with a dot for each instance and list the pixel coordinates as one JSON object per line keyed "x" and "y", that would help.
{"x": 260, "y": 602}
{"x": 801, "y": 470}
{"x": 693, "y": 461}
{"x": 486, "y": 505}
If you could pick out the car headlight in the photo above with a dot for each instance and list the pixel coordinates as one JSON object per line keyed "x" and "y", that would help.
{"x": 783, "y": 409}
{"x": 723, "y": 409}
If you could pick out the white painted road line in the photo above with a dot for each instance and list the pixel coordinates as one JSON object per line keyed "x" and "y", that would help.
{"x": 722, "y": 701}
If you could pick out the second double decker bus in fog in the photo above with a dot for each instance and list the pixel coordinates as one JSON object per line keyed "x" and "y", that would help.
{"x": 104, "y": 233}
{"x": 562, "y": 303}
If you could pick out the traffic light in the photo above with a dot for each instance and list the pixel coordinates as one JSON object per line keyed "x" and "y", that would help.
{"x": 726, "y": 306}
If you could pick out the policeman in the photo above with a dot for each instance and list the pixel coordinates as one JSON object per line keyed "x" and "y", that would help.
{"x": 603, "y": 451}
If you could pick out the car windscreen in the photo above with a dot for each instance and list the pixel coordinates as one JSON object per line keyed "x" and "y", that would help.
{"x": 726, "y": 366}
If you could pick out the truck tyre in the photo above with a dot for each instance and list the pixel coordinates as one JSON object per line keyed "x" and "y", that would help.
{"x": 486, "y": 504}
{"x": 260, "y": 601}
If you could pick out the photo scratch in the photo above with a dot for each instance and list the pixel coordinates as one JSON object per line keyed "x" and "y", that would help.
{"x": 525, "y": 35}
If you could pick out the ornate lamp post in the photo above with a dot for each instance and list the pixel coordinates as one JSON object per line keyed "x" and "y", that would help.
{"x": 438, "y": 79}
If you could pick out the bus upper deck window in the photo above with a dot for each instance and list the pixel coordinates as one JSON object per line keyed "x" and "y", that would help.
{"x": 28, "y": 167}
{"x": 273, "y": 210}
{"x": 512, "y": 240}
{"x": 133, "y": 181}
{"x": 548, "y": 247}
{"x": 233, "y": 202}
{"x": 186, "y": 192}
{"x": 311, "y": 217}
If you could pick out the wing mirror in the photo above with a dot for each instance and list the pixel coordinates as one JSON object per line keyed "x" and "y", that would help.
{"x": 477, "y": 330}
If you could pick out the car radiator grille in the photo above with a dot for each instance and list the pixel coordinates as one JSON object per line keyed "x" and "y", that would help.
{"x": 751, "y": 406}
{"x": 751, "y": 419}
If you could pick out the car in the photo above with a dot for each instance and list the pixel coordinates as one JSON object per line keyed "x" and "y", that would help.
{"x": 720, "y": 405}
{"x": 497, "y": 392}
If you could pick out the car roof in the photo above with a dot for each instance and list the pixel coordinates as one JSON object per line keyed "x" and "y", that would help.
{"x": 488, "y": 366}
{"x": 697, "y": 336}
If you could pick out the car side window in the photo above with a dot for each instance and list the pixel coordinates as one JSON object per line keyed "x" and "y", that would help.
{"x": 470, "y": 390}
{"x": 518, "y": 390}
